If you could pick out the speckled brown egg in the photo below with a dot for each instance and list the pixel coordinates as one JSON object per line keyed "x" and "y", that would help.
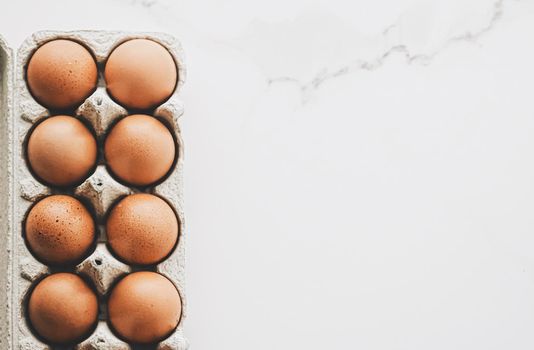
{"x": 61, "y": 74}
{"x": 142, "y": 229}
{"x": 59, "y": 230}
{"x": 62, "y": 151}
{"x": 139, "y": 150}
{"x": 140, "y": 74}
{"x": 144, "y": 307}
{"x": 62, "y": 308}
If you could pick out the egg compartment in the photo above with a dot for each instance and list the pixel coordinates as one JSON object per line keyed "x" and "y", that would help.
{"x": 100, "y": 189}
{"x": 34, "y": 285}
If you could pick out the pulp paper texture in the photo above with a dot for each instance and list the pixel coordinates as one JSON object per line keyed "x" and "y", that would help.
{"x": 19, "y": 112}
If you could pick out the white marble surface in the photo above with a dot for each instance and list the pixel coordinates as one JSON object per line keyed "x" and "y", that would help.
{"x": 359, "y": 174}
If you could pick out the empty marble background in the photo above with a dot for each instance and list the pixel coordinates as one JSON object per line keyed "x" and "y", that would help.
{"x": 359, "y": 174}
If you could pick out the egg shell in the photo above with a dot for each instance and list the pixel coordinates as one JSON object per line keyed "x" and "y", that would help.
{"x": 144, "y": 307}
{"x": 62, "y": 308}
{"x": 59, "y": 230}
{"x": 142, "y": 229}
{"x": 62, "y": 74}
{"x": 140, "y": 74}
{"x": 62, "y": 151}
{"x": 140, "y": 150}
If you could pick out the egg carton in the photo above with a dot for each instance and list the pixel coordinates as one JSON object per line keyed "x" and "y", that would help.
{"x": 19, "y": 113}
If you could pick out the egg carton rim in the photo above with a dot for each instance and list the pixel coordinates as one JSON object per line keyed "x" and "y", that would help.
{"x": 7, "y": 327}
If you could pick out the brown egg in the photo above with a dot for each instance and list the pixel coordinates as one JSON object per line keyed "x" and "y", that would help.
{"x": 63, "y": 308}
{"x": 139, "y": 150}
{"x": 61, "y": 74}
{"x": 144, "y": 307}
{"x": 62, "y": 151}
{"x": 59, "y": 230}
{"x": 140, "y": 74}
{"x": 142, "y": 229}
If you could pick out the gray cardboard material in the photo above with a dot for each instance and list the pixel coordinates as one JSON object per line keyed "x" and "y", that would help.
{"x": 6, "y": 193}
{"x": 19, "y": 190}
